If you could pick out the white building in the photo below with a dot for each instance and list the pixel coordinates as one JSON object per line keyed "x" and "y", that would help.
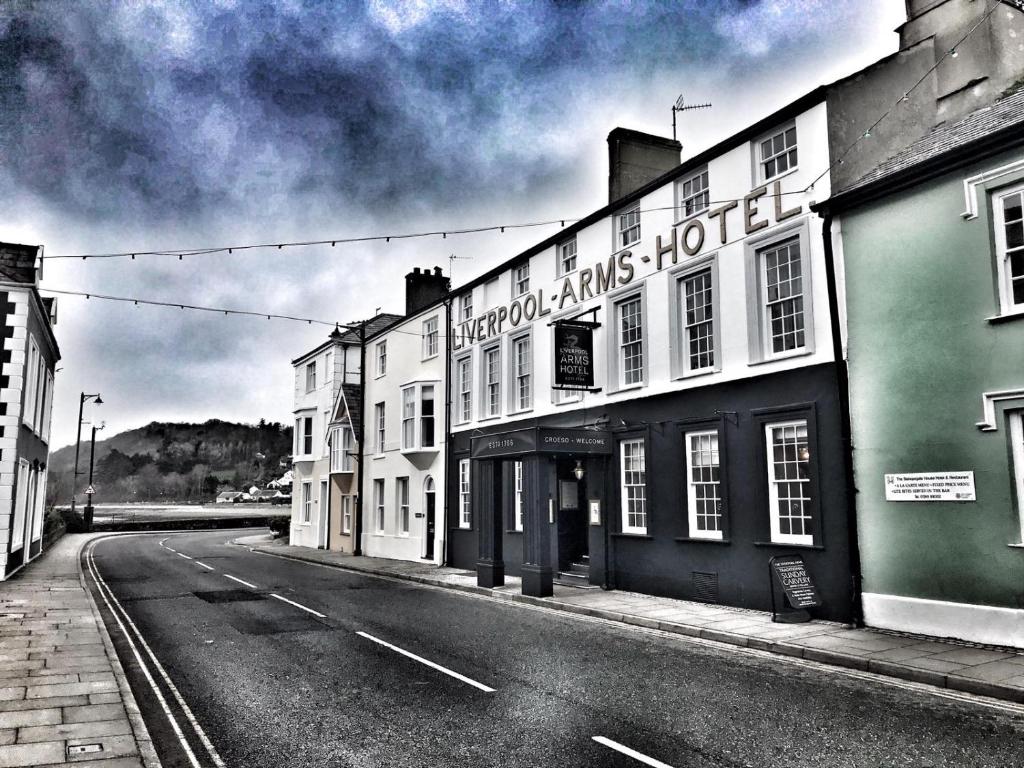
{"x": 404, "y": 455}
{"x": 30, "y": 355}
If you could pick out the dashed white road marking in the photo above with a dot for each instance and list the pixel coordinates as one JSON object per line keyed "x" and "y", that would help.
{"x": 299, "y": 605}
{"x": 639, "y": 756}
{"x": 432, "y": 665}
{"x": 179, "y": 554}
{"x": 204, "y": 565}
{"x": 246, "y": 583}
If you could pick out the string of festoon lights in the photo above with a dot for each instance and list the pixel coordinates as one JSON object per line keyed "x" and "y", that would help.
{"x": 181, "y": 253}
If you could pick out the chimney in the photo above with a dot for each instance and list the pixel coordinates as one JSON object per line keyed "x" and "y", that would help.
{"x": 635, "y": 158}
{"x": 423, "y": 288}
{"x": 18, "y": 263}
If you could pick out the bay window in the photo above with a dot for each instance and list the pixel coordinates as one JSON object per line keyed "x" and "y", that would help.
{"x": 418, "y": 417}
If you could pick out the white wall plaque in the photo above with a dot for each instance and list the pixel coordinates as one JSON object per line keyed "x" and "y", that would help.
{"x": 930, "y": 486}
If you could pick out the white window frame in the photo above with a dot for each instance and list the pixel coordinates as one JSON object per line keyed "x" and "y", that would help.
{"x": 47, "y": 407}
{"x": 691, "y": 199}
{"x": 28, "y": 411}
{"x": 464, "y": 383}
{"x": 624, "y": 486}
{"x": 517, "y": 508}
{"x": 381, "y": 356}
{"x": 311, "y": 376}
{"x": 306, "y": 503}
{"x": 802, "y": 539}
{"x": 304, "y": 436}
{"x": 402, "y": 504}
{"x": 380, "y": 426}
{"x": 1007, "y": 306}
{"x": 520, "y": 279}
{"x": 465, "y": 495}
{"x": 466, "y": 307}
{"x": 413, "y": 418}
{"x": 346, "y": 514}
{"x": 615, "y": 337}
{"x": 763, "y": 160}
{"x": 521, "y": 376}
{"x": 342, "y": 441}
{"x": 1016, "y": 430}
{"x": 40, "y": 395}
{"x": 567, "y": 256}
{"x": 20, "y": 507}
{"x": 378, "y": 505}
{"x": 490, "y": 400}
{"x": 627, "y": 230}
{"x": 693, "y": 482}
{"x": 758, "y": 312}
{"x": 431, "y": 338}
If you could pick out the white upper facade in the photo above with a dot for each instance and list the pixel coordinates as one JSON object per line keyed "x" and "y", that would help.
{"x": 738, "y": 289}
{"x": 318, "y": 377}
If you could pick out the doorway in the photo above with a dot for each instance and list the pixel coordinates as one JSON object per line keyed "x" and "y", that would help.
{"x": 573, "y": 530}
{"x": 430, "y": 509}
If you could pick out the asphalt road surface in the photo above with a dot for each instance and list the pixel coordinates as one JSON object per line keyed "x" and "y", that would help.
{"x": 280, "y": 663}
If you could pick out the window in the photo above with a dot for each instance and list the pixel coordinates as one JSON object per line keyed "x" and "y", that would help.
{"x": 466, "y": 307}
{"x": 378, "y": 420}
{"x": 783, "y": 296}
{"x": 698, "y": 321}
{"x": 378, "y": 505}
{"x": 465, "y": 510}
{"x": 789, "y": 483}
{"x": 408, "y": 418}
{"x": 628, "y": 227}
{"x": 630, "y": 341}
{"x": 693, "y": 195}
{"x": 20, "y": 502}
{"x": 1017, "y": 445}
{"x": 31, "y": 384}
{"x": 517, "y": 522}
{"x": 1009, "y": 211}
{"x": 522, "y": 359}
{"x": 346, "y": 514}
{"x": 341, "y": 449}
{"x": 634, "y": 486}
{"x": 402, "y": 502}
{"x": 307, "y": 501}
{"x": 778, "y": 153}
{"x": 40, "y": 394}
{"x": 304, "y": 436}
{"x": 328, "y": 367}
{"x": 427, "y": 416}
{"x": 492, "y": 381}
{"x": 703, "y": 485}
{"x": 382, "y": 358}
{"x": 47, "y": 407}
{"x": 567, "y": 257}
{"x": 311, "y": 376}
{"x": 464, "y": 377}
{"x": 430, "y": 336}
{"x": 521, "y": 280}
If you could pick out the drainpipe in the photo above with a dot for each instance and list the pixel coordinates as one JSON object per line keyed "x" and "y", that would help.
{"x": 447, "y": 424}
{"x": 357, "y": 528}
{"x": 843, "y": 387}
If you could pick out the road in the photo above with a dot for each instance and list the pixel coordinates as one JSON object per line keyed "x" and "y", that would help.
{"x": 272, "y": 667}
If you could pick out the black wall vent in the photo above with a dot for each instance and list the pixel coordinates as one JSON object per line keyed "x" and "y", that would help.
{"x": 705, "y": 586}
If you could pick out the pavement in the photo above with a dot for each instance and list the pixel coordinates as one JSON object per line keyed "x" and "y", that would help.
{"x": 64, "y": 697}
{"x": 981, "y": 670}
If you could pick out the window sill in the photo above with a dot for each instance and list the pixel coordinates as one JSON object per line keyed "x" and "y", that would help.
{"x": 1016, "y": 546}
{"x": 486, "y": 419}
{"x": 777, "y": 177}
{"x": 1008, "y": 317}
{"x": 378, "y": 456}
{"x": 428, "y": 357}
{"x": 695, "y": 374}
{"x": 513, "y": 531}
{"x": 419, "y": 451}
{"x": 523, "y": 412}
{"x": 628, "y": 388}
{"x": 690, "y": 217}
{"x": 342, "y": 472}
{"x": 788, "y": 546}
{"x": 701, "y": 540}
{"x": 622, "y": 535}
{"x": 804, "y": 352}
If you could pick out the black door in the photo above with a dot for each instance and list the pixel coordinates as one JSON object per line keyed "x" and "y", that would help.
{"x": 573, "y": 538}
{"x": 430, "y": 525}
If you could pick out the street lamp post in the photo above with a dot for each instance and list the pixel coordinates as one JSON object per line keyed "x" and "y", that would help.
{"x": 78, "y": 442}
{"x": 89, "y": 491}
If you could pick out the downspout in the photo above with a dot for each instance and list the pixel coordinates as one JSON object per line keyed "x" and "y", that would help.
{"x": 447, "y": 424}
{"x": 845, "y": 428}
{"x": 357, "y": 529}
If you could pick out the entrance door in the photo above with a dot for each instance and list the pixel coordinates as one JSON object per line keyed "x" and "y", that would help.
{"x": 573, "y": 531}
{"x": 428, "y": 506}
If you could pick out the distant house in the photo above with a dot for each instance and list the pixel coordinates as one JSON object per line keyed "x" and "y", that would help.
{"x": 26, "y": 396}
{"x": 228, "y": 497}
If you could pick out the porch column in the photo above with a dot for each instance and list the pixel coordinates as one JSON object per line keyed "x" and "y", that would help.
{"x": 486, "y": 490}
{"x": 536, "y": 569}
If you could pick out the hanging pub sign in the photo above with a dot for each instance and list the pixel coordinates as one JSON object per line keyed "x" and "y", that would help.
{"x": 574, "y": 355}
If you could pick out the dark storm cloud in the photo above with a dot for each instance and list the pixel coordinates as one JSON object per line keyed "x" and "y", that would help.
{"x": 169, "y": 109}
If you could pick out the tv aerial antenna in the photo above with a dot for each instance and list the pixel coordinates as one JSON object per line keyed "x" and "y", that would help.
{"x": 682, "y": 106}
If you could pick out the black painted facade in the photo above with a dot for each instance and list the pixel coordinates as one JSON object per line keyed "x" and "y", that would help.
{"x": 666, "y": 561}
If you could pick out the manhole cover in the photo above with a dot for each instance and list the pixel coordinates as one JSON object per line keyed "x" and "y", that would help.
{"x": 229, "y": 596}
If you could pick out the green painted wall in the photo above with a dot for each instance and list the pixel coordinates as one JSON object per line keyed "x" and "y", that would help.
{"x": 920, "y": 283}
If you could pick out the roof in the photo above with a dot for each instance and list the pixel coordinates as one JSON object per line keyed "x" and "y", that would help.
{"x": 353, "y": 404}
{"x": 351, "y": 336}
{"x": 994, "y": 128}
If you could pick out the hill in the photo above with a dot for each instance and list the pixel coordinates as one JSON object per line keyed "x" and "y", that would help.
{"x": 174, "y": 462}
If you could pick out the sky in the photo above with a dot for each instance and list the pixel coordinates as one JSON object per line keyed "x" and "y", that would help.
{"x": 153, "y": 125}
